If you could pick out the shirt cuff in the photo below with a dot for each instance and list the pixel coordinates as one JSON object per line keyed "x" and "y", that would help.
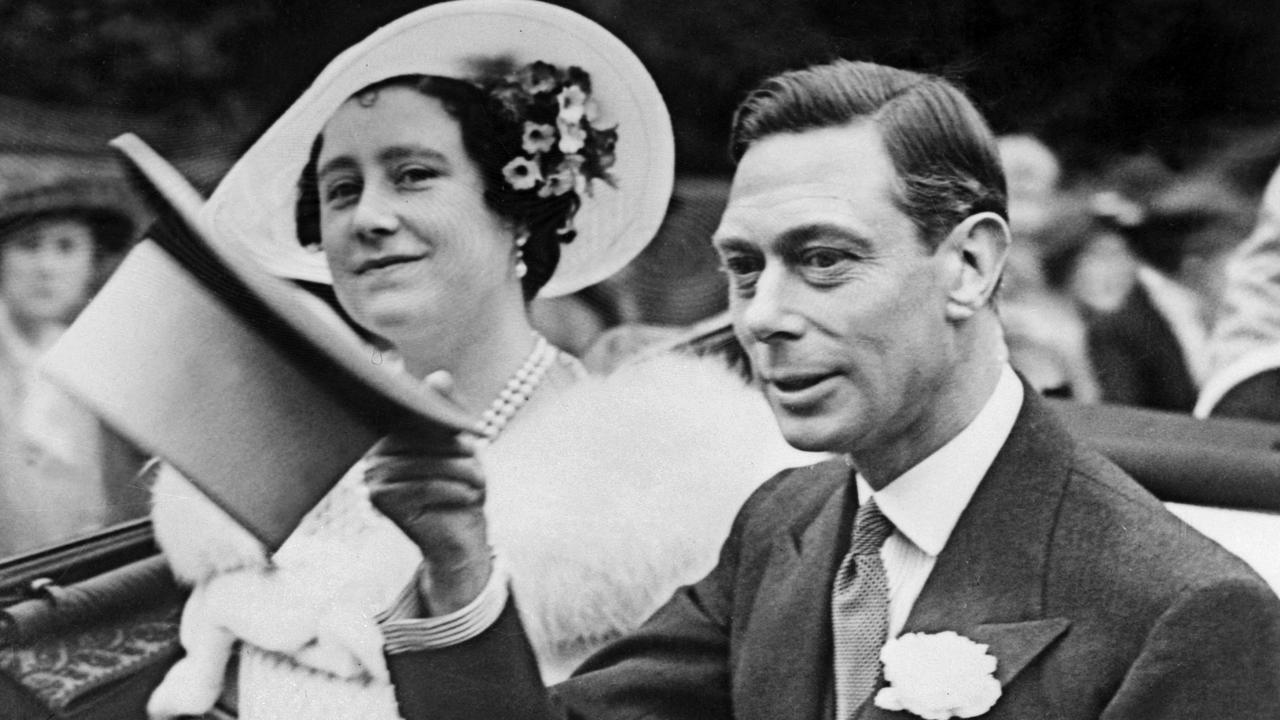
{"x": 405, "y": 630}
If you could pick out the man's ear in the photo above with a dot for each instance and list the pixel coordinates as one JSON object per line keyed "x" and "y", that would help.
{"x": 981, "y": 243}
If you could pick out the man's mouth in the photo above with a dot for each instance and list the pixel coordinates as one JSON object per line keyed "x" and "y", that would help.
{"x": 797, "y": 383}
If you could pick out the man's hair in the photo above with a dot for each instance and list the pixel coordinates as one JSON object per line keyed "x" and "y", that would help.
{"x": 944, "y": 153}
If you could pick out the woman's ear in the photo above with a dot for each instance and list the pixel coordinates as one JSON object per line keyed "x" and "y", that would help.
{"x": 981, "y": 243}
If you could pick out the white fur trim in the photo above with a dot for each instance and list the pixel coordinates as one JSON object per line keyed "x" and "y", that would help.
{"x": 198, "y": 538}
{"x": 623, "y": 490}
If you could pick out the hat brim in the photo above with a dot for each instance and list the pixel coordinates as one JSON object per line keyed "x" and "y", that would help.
{"x": 104, "y": 205}
{"x": 254, "y": 204}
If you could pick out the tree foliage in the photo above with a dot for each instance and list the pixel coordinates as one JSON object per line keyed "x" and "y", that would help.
{"x": 1095, "y": 77}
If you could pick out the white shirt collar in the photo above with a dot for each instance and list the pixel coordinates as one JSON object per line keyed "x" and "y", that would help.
{"x": 926, "y": 501}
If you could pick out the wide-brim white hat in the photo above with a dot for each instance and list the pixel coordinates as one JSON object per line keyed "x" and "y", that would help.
{"x": 253, "y": 206}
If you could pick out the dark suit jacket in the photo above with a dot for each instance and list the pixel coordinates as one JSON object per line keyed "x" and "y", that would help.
{"x": 1096, "y": 602}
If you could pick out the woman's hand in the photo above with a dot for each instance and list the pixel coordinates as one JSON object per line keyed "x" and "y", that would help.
{"x": 436, "y": 496}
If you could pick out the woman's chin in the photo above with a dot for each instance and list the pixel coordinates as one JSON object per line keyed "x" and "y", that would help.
{"x": 392, "y": 323}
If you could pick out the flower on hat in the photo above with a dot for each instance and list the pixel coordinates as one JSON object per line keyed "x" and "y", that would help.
{"x": 538, "y": 77}
{"x": 522, "y": 173}
{"x": 538, "y": 137}
{"x": 573, "y": 165}
{"x": 572, "y": 136}
{"x": 573, "y": 104}
{"x": 938, "y": 676}
{"x": 562, "y": 149}
{"x": 559, "y": 182}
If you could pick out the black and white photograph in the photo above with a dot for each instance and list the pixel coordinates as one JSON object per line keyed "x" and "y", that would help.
{"x": 663, "y": 359}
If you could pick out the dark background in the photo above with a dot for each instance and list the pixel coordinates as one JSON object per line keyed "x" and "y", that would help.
{"x": 1195, "y": 82}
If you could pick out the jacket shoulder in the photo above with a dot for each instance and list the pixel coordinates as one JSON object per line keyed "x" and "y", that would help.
{"x": 794, "y": 496}
{"x": 1109, "y": 522}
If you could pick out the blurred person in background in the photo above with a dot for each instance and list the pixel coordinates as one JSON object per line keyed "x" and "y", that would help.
{"x": 1141, "y": 260}
{"x": 1131, "y": 346}
{"x": 1044, "y": 331}
{"x": 57, "y": 241}
{"x": 1244, "y": 348}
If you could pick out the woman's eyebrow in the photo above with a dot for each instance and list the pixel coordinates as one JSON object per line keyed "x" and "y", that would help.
{"x": 402, "y": 152}
{"x": 342, "y": 162}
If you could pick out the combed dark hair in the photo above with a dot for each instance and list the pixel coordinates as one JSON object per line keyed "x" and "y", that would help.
{"x": 491, "y": 138}
{"x": 944, "y": 153}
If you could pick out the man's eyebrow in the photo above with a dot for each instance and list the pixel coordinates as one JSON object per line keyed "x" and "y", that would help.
{"x": 795, "y": 237}
{"x": 730, "y": 243}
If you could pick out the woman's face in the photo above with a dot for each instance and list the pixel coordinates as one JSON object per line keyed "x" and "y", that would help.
{"x": 46, "y": 268}
{"x": 414, "y": 250}
{"x": 1104, "y": 273}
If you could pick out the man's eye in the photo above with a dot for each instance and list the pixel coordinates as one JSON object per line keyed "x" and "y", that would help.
{"x": 823, "y": 258}
{"x": 743, "y": 271}
{"x": 741, "y": 266}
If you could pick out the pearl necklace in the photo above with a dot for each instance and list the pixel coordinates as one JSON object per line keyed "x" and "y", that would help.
{"x": 518, "y": 390}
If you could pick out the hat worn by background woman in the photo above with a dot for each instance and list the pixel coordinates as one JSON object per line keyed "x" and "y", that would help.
{"x": 107, "y": 207}
{"x": 254, "y": 204}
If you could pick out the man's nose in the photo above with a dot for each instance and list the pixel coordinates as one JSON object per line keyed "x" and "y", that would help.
{"x": 375, "y": 216}
{"x": 769, "y": 312}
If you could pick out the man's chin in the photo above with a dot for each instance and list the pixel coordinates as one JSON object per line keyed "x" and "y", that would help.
{"x": 808, "y": 437}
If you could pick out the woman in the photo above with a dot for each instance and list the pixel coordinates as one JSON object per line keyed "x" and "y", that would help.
{"x": 55, "y": 241}
{"x": 454, "y": 165}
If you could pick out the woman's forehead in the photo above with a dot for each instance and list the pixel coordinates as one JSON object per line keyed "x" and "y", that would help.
{"x": 367, "y": 125}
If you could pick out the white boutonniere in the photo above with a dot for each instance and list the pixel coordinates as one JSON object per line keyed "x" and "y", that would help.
{"x": 938, "y": 676}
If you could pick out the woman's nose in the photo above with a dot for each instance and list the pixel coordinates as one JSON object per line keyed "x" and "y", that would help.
{"x": 375, "y": 216}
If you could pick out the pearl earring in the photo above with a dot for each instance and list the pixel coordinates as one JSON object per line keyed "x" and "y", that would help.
{"x": 521, "y": 268}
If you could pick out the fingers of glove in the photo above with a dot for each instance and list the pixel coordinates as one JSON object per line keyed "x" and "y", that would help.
{"x": 412, "y": 502}
{"x": 425, "y": 475}
{"x": 410, "y": 443}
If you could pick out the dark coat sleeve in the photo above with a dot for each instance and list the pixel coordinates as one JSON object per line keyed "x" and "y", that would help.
{"x": 493, "y": 676}
{"x": 1214, "y": 653}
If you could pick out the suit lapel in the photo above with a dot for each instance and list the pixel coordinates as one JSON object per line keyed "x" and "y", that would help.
{"x": 786, "y": 655}
{"x": 988, "y": 582}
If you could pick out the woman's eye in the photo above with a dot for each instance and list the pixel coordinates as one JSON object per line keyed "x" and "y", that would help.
{"x": 415, "y": 175}
{"x": 340, "y": 191}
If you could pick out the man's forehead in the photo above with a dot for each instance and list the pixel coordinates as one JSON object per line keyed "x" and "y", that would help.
{"x": 840, "y": 175}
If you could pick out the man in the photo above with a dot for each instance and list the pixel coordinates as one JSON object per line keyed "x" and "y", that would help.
{"x": 864, "y": 239}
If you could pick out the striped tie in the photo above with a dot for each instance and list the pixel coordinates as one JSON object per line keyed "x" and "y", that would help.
{"x": 860, "y": 611}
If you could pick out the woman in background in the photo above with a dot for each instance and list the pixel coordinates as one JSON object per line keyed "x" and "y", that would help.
{"x": 56, "y": 240}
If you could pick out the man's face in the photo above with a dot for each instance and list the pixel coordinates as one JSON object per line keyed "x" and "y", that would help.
{"x": 836, "y": 298}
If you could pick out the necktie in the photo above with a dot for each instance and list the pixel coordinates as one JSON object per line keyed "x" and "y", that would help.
{"x": 860, "y": 611}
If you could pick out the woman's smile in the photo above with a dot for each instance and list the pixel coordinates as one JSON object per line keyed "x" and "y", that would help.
{"x": 382, "y": 263}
